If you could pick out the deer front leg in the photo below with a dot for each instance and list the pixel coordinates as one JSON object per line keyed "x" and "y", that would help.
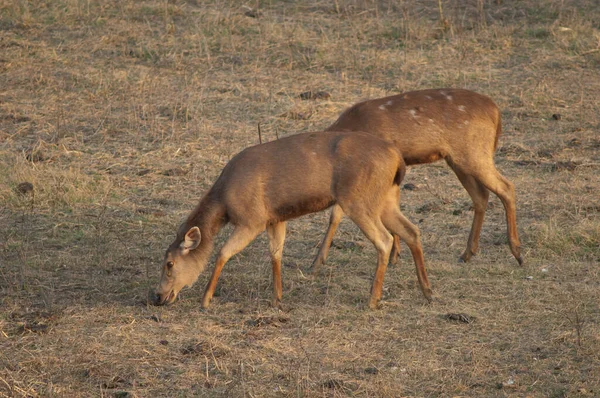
{"x": 395, "y": 222}
{"x": 411, "y": 235}
{"x": 372, "y": 227}
{"x": 276, "y": 234}
{"x": 239, "y": 239}
{"x": 395, "y": 251}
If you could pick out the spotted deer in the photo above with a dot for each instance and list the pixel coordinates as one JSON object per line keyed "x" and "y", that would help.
{"x": 459, "y": 126}
{"x": 264, "y": 186}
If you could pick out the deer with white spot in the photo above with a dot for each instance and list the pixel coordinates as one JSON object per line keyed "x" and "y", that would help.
{"x": 460, "y": 126}
{"x": 264, "y": 186}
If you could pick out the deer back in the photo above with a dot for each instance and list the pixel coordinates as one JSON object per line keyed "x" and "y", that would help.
{"x": 428, "y": 125}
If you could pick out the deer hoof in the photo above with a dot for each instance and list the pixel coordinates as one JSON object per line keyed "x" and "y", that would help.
{"x": 428, "y": 295}
{"x": 374, "y": 304}
{"x": 466, "y": 256}
{"x": 316, "y": 266}
{"x": 313, "y": 270}
{"x": 204, "y": 304}
{"x": 276, "y": 303}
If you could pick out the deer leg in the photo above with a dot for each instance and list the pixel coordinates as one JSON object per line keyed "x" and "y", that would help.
{"x": 239, "y": 239}
{"x": 376, "y": 232}
{"x": 479, "y": 195}
{"x": 396, "y": 247}
{"x": 395, "y": 250}
{"x": 505, "y": 190}
{"x": 334, "y": 220}
{"x": 276, "y": 234}
{"x": 394, "y": 221}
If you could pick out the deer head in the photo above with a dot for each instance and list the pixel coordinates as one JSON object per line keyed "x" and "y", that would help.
{"x": 180, "y": 267}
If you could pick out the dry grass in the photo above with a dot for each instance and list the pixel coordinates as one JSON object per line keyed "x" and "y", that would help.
{"x": 122, "y": 113}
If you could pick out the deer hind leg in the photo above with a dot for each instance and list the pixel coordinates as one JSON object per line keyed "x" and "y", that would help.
{"x": 479, "y": 195}
{"x": 375, "y": 231}
{"x": 334, "y": 220}
{"x": 394, "y": 221}
{"x": 505, "y": 190}
{"x": 237, "y": 241}
{"x": 276, "y": 234}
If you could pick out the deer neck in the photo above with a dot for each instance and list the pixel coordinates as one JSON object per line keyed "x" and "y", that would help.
{"x": 209, "y": 217}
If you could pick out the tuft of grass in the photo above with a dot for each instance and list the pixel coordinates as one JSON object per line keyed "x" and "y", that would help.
{"x": 564, "y": 239}
{"x": 53, "y": 189}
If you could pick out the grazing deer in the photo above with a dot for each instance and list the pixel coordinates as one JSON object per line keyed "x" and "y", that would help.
{"x": 459, "y": 126}
{"x": 266, "y": 185}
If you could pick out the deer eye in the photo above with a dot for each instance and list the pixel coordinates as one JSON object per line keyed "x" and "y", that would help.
{"x": 170, "y": 264}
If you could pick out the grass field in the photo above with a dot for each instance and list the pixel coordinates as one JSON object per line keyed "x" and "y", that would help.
{"x": 120, "y": 114}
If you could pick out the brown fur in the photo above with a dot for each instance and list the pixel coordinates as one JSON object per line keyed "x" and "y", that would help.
{"x": 459, "y": 126}
{"x": 264, "y": 186}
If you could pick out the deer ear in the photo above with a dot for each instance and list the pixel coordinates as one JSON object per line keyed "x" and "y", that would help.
{"x": 192, "y": 239}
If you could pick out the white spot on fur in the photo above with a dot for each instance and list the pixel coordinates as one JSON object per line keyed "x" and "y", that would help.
{"x": 445, "y": 94}
{"x": 413, "y": 113}
{"x": 466, "y": 122}
{"x": 461, "y": 108}
{"x": 430, "y": 120}
{"x": 428, "y": 97}
{"x": 382, "y": 106}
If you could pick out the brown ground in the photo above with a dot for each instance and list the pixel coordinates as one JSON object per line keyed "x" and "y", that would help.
{"x": 121, "y": 114}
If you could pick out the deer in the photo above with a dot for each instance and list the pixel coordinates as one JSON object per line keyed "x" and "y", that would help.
{"x": 460, "y": 126}
{"x": 266, "y": 185}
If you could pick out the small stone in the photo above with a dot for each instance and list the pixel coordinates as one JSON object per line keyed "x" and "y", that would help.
{"x": 176, "y": 171}
{"x": 155, "y": 318}
{"x": 294, "y": 115}
{"x": 252, "y": 13}
{"x": 463, "y": 318}
{"x": 36, "y": 156}
{"x": 545, "y": 153}
{"x": 24, "y": 188}
{"x": 510, "y": 383}
{"x": 34, "y": 327}
{"x": 574, "y": 142}
{"x": 333, "y": 384}
{"x": 556, "y": 116}
{"x": 314, "y": 95}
